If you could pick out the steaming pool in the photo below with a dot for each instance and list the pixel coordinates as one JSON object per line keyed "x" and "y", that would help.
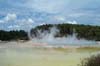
{"x": 29, "y": 56}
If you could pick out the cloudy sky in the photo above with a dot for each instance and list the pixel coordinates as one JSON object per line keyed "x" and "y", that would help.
{"x": 25, "y": 14}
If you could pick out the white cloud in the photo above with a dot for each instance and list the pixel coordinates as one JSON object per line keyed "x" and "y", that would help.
{"x": 77, "y": 14}
{"x": 14, "y": 27}
{"x": 8, "y": 17}
{"x": 63, "y": 19}
{"x": 72, "y": 22}
{"x": 23, "y": 24}
{"x": 60, "y": 18}
{"x": 51, "y": 6}
{"x": 30, "y": 20}
{"x": 42, "y": 23}
{"x": 1, "y": 21}
{"x": 17, "y": 23}
{"x": 10, "y": 26}
{"x": 27, "y": 22}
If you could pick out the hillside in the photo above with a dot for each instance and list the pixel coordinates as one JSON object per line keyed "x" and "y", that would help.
{"x": 87, "y": 32}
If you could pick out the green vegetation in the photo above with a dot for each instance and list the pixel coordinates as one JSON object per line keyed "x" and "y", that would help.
{"x": 92, "y": 61}
{"x": 90, "y": 49}
{"x": 83, "y": 31}
{"x": 13, "y": 35}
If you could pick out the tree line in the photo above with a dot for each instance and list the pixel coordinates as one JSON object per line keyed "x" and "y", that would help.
{"x": 13, "y": 35}
{"x": 88, "y": 32}
{"x": 82, "y": 32}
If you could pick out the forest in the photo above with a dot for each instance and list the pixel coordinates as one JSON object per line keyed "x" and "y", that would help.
{"x": 87, "y": 32}
{"x": 13, "y": 35}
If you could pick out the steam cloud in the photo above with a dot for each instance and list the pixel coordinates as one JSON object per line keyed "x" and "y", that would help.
{"x": 49, "y": 38}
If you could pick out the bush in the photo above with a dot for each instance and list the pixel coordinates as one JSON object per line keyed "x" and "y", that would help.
{"x": 92, "y": 61}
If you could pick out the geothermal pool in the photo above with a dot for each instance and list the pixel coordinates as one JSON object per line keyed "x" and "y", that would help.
{"x": 29, "y": 56}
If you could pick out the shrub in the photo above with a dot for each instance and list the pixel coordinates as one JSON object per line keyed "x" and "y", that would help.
{"x": 92, "y": 61}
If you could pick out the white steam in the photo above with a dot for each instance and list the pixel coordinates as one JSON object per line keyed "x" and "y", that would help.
{"x": 49, "y": 38}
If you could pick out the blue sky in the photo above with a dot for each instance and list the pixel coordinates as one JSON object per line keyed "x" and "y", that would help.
{"x": 25, "y": 14}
